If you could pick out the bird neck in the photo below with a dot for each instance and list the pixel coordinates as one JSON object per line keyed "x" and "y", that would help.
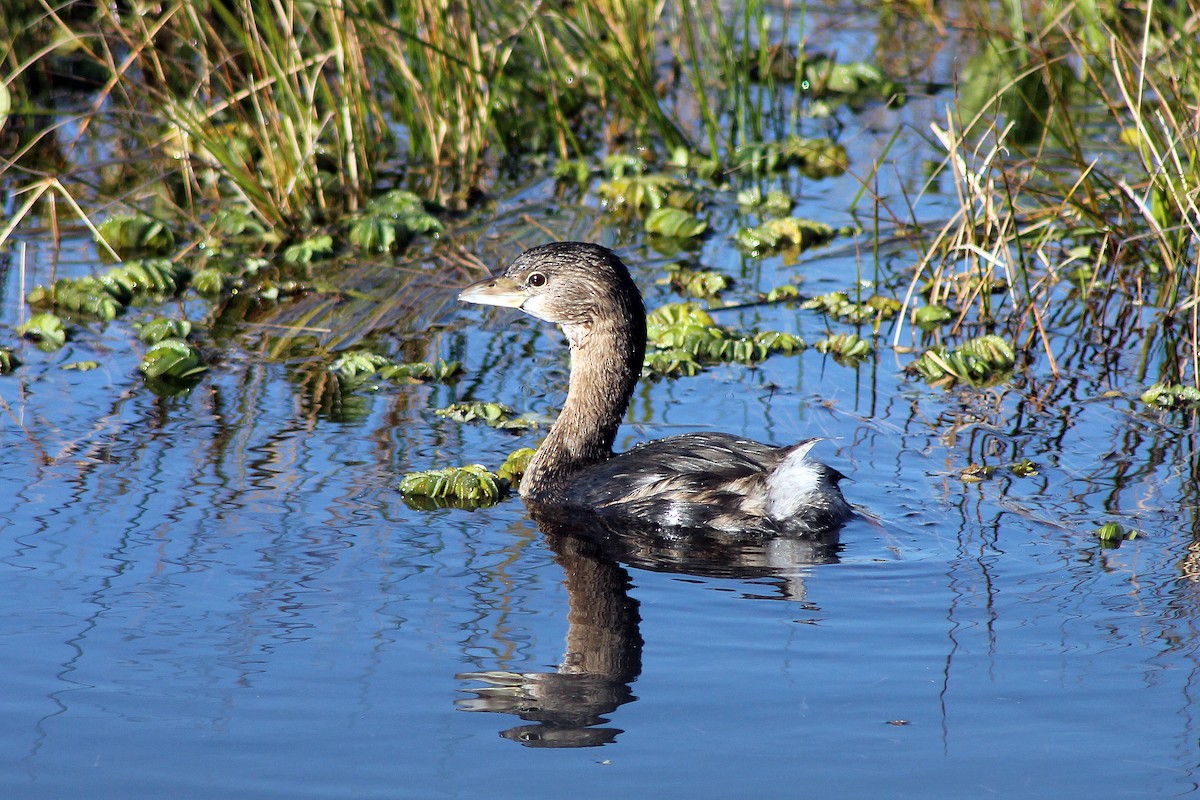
{"x": 606, "y": 359}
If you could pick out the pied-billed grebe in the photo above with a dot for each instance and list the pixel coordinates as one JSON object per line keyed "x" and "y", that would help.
{"x": 697, "y": 480}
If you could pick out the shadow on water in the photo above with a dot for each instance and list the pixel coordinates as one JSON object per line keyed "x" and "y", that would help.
{"x": 604, "y": 644}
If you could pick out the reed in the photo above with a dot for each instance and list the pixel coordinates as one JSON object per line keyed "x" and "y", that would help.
{"x": 1080, "y": 163}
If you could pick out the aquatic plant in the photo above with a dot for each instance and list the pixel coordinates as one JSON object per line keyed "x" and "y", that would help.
{"x": 840, "y": 306}
{"x": 674, "y": 222}
{"x": 495, "y": 415}
{"x": 1112, "y": 534}
{"x": 1162, "y": 395}
{"x": 515, "y": 465}
{"x": 701, "y": 283}
{"x": 472, "y": 485}
{"x": 390, "y": 221}
{"x": 8, "y": 361}
{"x": 45, "y": 329}
{"x": 784, "y": 233}
{"x": 814, "y": 158}
{"x": 846, "y": 348}
{"x": 978, "y": 362}
{"x": 355, "y": 367}
{"x": 161, "y": 328}
{"x": 682, "y": 337}
{"x": 172, "y": 358}
{"x": 104, "y": 297}
{"x": 776, "y": 202}
{"x": 130, "y": 235}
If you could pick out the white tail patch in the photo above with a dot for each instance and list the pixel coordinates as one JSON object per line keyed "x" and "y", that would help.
{"x": 795, "y": 482}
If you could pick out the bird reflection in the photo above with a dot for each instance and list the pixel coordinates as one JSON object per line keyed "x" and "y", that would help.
{"x": 603, "y": 656}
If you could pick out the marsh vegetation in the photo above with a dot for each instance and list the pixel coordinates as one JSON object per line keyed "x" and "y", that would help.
{"x": 256, "y": 454}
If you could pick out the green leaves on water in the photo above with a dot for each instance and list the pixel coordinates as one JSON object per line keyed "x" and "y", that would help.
{"x": 356, "y": 367}
{"x": 1162, "y": 395}
{"x": 137, "y": 235}
{"x": 639, "y": 193}
{"x": 839, "y": 305}
{"x": 814, "y": 158}
{"x": 469, "y": 487}
{"x": 776, "y": 203}
{"x": 1112, "y": 534}
{"x": 683, "y": 337}
{"x": 390, "y": 221}
{"x": 846, "y": 348}
{"x": 473, "y": 482}
{"x": 106, "y": 296}
{"x": 495, "y": 415}
{"x": 8, "y": 361}
{"x": 515, "y": 465}
{"x": 46, "y": 330}
{"x": 784, "y": 233}
{"x": 701, "y": 283}
{"x": 307, "y": 250}
{"x": 163, "y": 328}
{"x": 674, "y": 222}
{"x": 982, "y": 361}
{"x": 472, "y": 486}
{"x": 976, "y": 473}
{"x": 176, "y": 359}
{"x": 929, "y": 317}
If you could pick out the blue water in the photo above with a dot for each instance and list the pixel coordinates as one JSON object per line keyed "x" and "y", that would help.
{"x": 224, "y": 595}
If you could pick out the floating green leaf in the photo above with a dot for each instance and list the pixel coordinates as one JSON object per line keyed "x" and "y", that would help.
{"x": 106, "y": 296}
{"x": 420, "y": 371}
{"x": 816, "y": 158}
{"x": 702, "y": 283}
{"x": 45, "y": 329}
{"x": 979, "y": 362}
{"x": 81, "y": 296}
{"x": 82, "y": 366}
{"x": 8, "y": 361}
{"x": 929, "y": 317}
{"x": 391, "y": 221}
{"x": 846, "y": 348}
{"x": 670, "y": 363}
{"x": 786, "y": 292}
{"x": 473, "y": 484}
{"x": 137, "y": 234}
{"x": 776, "y": 203}
{"x": 495, "y": 415}
{"x": 1162, "y": 395}
{"x": 515, "y": 465}
{"x": 354, "y": 367}
{"x": 674, "y": 222}
{"x": 784, "y": 233}
{"x": 172, "y": 358}
{"x": 1112, "y": 534}
{"x": 209, "y": 282}
{"x": 839, "y": 305}
{"x": 163, "y": 328}
{"x": 638, "y": 192}
{"x": 682, "y": 336}
{"x": 572, "y": 171}
{"x": 304, "y": 251}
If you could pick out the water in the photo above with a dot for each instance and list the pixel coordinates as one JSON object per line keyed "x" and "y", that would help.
{"x": 224, "y": 595}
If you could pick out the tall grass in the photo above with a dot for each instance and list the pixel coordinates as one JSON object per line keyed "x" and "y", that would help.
{"x": 1072, "y": 140}
{"x": 1077, "y": 157}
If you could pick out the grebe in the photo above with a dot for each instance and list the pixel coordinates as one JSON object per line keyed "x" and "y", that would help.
{"x": 696, "y": 480}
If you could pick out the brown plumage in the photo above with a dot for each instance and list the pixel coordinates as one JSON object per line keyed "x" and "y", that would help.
{"x": 697, "y": 480}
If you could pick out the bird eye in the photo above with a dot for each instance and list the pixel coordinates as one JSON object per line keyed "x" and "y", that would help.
{"x": 536, "y": 279}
